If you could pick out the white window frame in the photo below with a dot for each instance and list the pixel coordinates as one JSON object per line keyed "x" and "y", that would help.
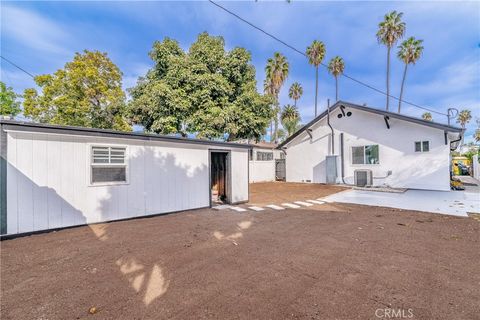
{"x": 90, "y": 164}
{"x": 364, "y": 156}
{"x": 421, "y": 146}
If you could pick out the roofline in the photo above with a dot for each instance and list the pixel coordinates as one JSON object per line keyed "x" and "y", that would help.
{"x": 419, "y": 121}
{"x": 82, "y": 131}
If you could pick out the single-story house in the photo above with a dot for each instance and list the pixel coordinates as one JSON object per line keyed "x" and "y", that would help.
{"x": 57, "y": 176}
{"x": 363, "y": 146}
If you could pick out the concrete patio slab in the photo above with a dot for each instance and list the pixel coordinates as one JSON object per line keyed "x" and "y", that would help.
{"x": 457, "y": 203}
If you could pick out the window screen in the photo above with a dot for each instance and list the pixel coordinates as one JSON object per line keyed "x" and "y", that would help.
{"x": 425, "y": 146}
{"x": 422, "y": 146}
{"x": 358, "y": 155}
{"x": 264, "y": 156}
{"x": 418, "y": 146}
{"x": 371, "y": 154}
{"x": 365, "y": 155}
{"x": 108, "y": 164}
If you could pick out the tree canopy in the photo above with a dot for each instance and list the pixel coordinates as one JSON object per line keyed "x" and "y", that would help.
{"x": 207, "y": 91}
{"x": 9, "y": 106}
{"x": 87, "y": 92}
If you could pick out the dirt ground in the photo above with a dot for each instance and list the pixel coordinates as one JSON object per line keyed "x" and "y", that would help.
{"x": 330, "y": 262}
{"x": 264, "y": 193}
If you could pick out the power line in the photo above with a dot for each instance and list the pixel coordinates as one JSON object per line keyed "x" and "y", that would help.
{"x": 18, "y": 67}
{"x": 323, "y": 64}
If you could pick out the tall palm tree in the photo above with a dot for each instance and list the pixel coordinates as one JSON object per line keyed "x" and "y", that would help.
{"x": 427, "y": 116}
{"x": 336, "y": 67}
{"x": 290, "y": 118}
{"x": 295, "y": 92}
{"x": 410, "y": 51}
{"x": 268, "y": 89}
{"x": 389, "y": 31}
{"x": 316, "y": 53}
{"x": 463, "y": 118}
{"x": 277, "y": 72}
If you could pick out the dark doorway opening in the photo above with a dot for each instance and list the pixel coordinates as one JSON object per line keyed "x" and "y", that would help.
{"x": 219, "y": 177}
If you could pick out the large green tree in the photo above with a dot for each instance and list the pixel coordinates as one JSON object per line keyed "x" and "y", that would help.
{"x": 389, "y": 31}
{"x": 315, "y": 53}
{"x": 87, "y": 92}
{"x": 463, "y": 118}
{"x": 409, "y": 52}
{"x": 206, "y": 91}
{"x": 295, "y": 92}
{"x": 276, "y": 73}
{"x": 9, "y": 105}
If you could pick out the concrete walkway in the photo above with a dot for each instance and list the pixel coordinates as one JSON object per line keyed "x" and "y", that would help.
{"x": 458, "y": 203}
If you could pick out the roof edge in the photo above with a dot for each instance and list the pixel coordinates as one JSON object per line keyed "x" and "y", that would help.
{"x": 72, "y": 130}
{"x": 418, "y": 121}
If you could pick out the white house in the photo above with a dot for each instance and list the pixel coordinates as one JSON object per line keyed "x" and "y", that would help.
{"x": 55, "y": 176}
{"x": 360, "y": 145}
{"x": 263, "y": 159}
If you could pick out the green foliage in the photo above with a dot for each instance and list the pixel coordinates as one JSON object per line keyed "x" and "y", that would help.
{"x": 276, "y": 70}
{"x": 207, "y": 91}
{"x": 391, "y": 28}
{"x": 290, "y": 118}
{"x": 410, "y": 50}
{"x": 295, "y": 92}
{"x": 9, "y": 106}
{"x": 427, "y": 116}
{"x": 316, "y": 53}
{"x": 87, "y": 92}
{"x": 464, "y": 117}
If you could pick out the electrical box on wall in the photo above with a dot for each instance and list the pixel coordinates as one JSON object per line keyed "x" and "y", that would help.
{"x": 331, "y": 167}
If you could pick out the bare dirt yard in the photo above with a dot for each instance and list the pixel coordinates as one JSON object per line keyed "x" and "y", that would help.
{"x": 329, "y": 261}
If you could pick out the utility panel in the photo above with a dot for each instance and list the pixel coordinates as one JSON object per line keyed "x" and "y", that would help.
{"x": 331, "y": 167}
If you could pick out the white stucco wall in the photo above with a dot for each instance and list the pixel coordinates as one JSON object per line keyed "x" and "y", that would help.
{"x": 48, "y": 180}
{"x": 262, "y": 171}
{"x": 410, "y": 169}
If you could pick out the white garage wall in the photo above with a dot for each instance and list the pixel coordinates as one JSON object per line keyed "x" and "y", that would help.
{"x": 239, "y": 184}
{"x": 48, "y": 180}
{"x": 410, "y": 169}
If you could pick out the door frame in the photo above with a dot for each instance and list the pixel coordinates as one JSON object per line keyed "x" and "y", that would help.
{"x": 228, "y": 175}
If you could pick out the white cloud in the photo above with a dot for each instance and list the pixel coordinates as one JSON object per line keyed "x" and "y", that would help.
{"x": 32, "y": 30}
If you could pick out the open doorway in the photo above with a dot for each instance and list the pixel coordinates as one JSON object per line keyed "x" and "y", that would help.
{"x": 219, "y": 177}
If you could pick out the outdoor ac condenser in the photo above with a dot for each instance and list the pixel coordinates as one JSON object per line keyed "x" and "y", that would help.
{"x": 363, "y": 178}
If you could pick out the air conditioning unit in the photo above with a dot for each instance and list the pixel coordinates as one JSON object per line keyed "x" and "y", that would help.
{"x": 363, "y": 178}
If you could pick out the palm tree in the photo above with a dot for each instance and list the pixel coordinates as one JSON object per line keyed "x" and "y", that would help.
{"x": 389, "y": 31}
{"x": 410, "y": 51}
{"x": 277, "y": 72}
{"x": 315, "y": 54}
{"x": 290, "y": 118}
{"x": 463, "y": 118}
{"x": 295, "y": 92}
{"x": 427, "y": 116}
{"x": 336, "y": 67}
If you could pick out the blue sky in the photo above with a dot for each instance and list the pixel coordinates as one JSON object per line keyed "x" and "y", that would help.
{"x": 42, "y": 36}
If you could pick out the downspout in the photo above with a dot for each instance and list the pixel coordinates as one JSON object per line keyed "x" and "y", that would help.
{"x": 328, "y": 122}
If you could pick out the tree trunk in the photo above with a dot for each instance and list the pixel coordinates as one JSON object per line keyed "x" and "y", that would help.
{"x": 388, "y": 76}
{"x": 275, "y": 123}
{"x": 316, "y": 89}
{"x": 336, "y": 88}
{"x": 271, "y": 130}
{"x": 401, "y": 88}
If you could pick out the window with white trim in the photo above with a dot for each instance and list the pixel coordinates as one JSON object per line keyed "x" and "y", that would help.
{"x": 365, "y": 154}
{"x": 264, "y": 156}
{"x": 422, "y": 146}
{"x": 108, "y": 164}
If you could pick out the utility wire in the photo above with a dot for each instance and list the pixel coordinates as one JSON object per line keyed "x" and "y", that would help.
{"x": 323, "y": 64}
{"x": 18, "y": 67}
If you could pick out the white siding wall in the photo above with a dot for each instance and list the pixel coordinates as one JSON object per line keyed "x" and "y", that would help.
{"x": 48, "y": 180}
{"x": 239, "y": 182}
{"x": 410, "y": 169}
